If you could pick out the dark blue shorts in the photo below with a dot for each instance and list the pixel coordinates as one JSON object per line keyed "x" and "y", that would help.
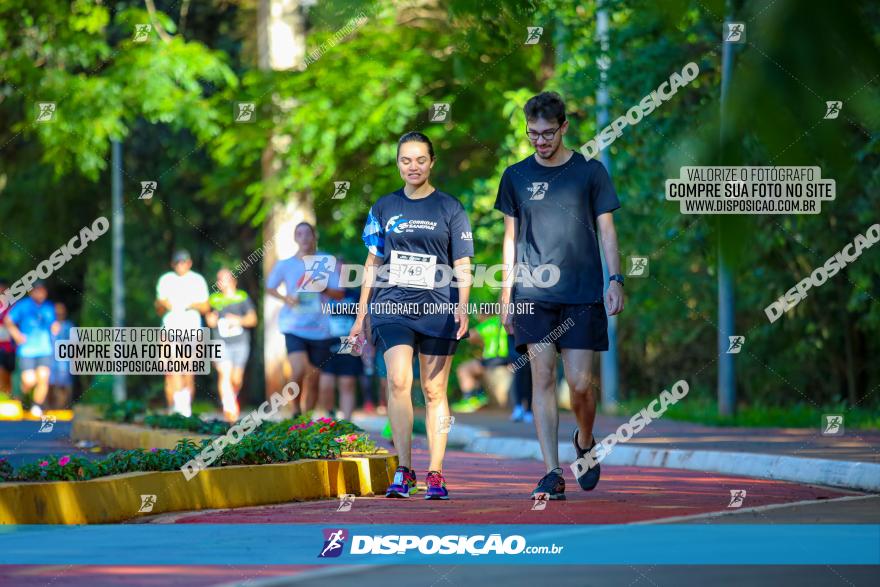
{"x": 31, "y": 363}
{"x": 7, "y": 360}
{"x": 343, "y": 365}
{"x": 567, "y": 326}
{"x": 318, "y": 351}
{"x": 390, "y": 335}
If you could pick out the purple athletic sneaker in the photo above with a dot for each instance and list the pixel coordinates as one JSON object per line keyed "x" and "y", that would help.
{"x": 404, "y": 483}
{"x": 436, "y": 486}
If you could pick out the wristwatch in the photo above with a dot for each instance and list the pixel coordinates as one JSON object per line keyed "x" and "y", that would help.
{"x": 616, "y": 277}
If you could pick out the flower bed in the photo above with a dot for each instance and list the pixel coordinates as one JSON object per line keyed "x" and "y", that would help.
{"x": 276, "y": 442}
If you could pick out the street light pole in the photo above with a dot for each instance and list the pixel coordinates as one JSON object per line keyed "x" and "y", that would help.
{"x": 608, "y": 359}
{"x": 119, "y": 391}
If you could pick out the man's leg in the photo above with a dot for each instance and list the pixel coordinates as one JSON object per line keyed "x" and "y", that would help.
{"x": 544, "y": 403}
{"x": 41, "y": 390}
{"x": 578, "y": 373}
{"x": 578, "y": 364}
{"x": 469, "y": 375}
{"x": 28, "y": 380}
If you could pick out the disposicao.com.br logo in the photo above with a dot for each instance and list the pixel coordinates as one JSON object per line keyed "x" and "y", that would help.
{"x": 480, "y": 544}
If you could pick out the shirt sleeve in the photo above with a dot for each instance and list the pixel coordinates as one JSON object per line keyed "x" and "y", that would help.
{"x": 374, "y": 234}
{"x": 602, "y": 195}
{"x": 276, "y": 276}
{"x": 14, "y": 312}
{"x": 461, "y": 235}
{"x": 201, "y": 289}
{"x": 505, "y": 201}
{"x": 161, "y": 287}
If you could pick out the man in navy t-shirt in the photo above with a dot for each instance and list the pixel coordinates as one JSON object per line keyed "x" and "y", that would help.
{"x": 556, "y": 203}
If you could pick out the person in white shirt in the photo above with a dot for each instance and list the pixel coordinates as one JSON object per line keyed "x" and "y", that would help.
{"x": 181, "y": 299}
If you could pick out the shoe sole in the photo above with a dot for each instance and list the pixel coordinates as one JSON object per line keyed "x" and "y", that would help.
{"x": 436, "y": 497}
{"x": 397, "y": 494}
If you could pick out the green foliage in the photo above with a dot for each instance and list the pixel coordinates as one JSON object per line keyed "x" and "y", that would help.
{"x": 338, "y": 119}
{"x": 703, "y": 409}
{"x": 278, "y": 442}
{"x": 127, "y": 411}
{"x": 189, "y": 423}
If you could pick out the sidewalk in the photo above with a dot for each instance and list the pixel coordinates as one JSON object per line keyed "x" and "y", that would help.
{"x": 853, "y": 445}
{"x": 797, "y": 455}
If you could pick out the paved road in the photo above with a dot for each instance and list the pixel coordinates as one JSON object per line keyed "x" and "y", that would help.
{"x": 487, "y": 489}
{"x": 22, "y": 442}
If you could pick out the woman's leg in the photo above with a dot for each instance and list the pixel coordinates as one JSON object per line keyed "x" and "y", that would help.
{"x": 435, "y": 378}
{"x": 326, "y": 394}
{"x": 224, "y": 387}
{"x": 398, "y": 360}
{"x": 347, "y": 386}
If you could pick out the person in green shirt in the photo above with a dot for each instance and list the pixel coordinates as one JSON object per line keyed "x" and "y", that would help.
{"x": 471, "y": 374}
{"x": 232, "y": 315}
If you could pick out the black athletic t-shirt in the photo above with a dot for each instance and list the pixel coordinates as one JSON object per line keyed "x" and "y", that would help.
{"x": 556, "y": 210}
{"x": 410, "y": 236}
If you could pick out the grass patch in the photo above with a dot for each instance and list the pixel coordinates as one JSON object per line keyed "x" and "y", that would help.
{"x": 704, "y": 410}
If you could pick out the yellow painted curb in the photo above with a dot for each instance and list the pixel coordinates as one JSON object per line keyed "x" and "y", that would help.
{"x": 118, "y": 498}
{"x": 129, "y": 436}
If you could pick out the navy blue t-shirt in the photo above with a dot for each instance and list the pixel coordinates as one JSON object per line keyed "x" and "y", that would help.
{"x": 556, "y": 210}
{"x": 410, "y": 236}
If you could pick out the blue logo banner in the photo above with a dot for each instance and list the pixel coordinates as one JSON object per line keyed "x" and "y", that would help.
{"x": 311, "y": 544}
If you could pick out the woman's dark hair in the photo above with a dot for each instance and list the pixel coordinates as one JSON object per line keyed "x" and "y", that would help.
{"x": 546, "y": 105}
{"x": 416, "y": 137}
{"x": 311, "y": 227}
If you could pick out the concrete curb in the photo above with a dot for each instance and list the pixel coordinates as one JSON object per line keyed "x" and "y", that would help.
{"x": 118, "y": 498}
{"x": 859, "y": 476}
{"x": 130, "y": 436}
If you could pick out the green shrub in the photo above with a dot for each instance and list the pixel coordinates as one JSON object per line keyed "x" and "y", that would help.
{"x": 273, "y": 442}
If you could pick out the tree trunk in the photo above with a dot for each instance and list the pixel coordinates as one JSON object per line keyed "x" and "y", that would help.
{"x": 281, "y": 46}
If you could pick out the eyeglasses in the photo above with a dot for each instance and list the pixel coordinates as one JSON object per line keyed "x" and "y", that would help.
{"x": 547, "y": 135}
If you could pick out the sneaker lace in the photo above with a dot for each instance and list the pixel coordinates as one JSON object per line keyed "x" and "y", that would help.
{"x": 399, "y": 476}
{"x": 434, "y": 480}
{"x": 546, "y": 479}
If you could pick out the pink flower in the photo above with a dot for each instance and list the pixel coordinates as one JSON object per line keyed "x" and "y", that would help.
{"x": 292, "y": 428}
{"x": 154, "y": 450}
{"x": 352, "y": 437}
{"x": 64, "y": 460}
{"x": 44, "y": 464}
{"x": 339, "y": 439}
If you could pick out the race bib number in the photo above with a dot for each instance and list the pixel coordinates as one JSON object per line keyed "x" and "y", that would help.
{"x": 412, "y": 270}
{"x": 227, "y": 329}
